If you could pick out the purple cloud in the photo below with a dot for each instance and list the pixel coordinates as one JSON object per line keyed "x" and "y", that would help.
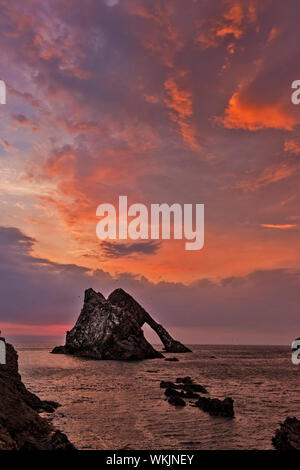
{"x": 38, "y": 291}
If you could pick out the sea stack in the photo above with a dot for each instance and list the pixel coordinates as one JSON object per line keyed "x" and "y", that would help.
{"x": 112, "y": 329}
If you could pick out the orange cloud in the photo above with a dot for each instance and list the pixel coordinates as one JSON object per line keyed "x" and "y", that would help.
{"x": 274, "y": 33}
{"x": 60, "y": 165}
{"x": 242, "y": 113}
{"x": 164, "y": 39}
{"x": 7, "y": 146}
{"x": 278, "y": 226}
{"x": 179, "y": 101}
{"x": 292, "y": 146}
{"x": 151, "y": 99}
{"x": 270, "y": 175}
{"x": 232, "y": 24}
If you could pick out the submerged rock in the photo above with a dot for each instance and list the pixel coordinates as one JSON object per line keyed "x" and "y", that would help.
{"x": 216, "y": 407}
{"x": 180, "y": 393}
{"x": 288, "y": 436}
{"x": 167, "y": 384}
{"x": 184, "y": 380}
{"x": 21, "y": 428}
{"x": 186, "y": 385}
{"x": 112, "y": 329}
{"x": 189, "y": 394}
{"x": 172, "y": 392}
{"x": 171, "y": 359}
{"x": 191, "y": 387}
{"x": 176, "y": 401}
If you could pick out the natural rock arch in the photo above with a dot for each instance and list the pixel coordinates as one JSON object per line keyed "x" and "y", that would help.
{"x": 112, "y": 329}
{"x": 122, "y": 299}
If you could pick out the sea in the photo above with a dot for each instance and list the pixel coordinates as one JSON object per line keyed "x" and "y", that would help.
{"x": 113, "y": 405}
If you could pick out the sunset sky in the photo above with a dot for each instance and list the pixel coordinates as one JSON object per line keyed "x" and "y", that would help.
{"x": 163, "y": 101}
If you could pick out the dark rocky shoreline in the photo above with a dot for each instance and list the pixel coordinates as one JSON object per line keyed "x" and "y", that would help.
{"x": 21, "y": 427}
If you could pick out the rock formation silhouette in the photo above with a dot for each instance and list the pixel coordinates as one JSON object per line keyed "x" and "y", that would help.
{"x": 112, "y": 329}
{"x": 122, "y": 299}
{"x": 21, "y": 427}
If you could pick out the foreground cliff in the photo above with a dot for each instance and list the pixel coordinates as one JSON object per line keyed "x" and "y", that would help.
{"x": 21, "y": 427}
{"x": 112, "y": 329}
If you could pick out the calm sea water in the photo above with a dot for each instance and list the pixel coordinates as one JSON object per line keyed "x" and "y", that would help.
{"x": 116, "y": 405}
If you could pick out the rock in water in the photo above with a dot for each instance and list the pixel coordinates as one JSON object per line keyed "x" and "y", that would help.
{"x": 167, "y": 384}
{"x": 184, "y": 380}
{"x": 105, "y": 330}
{"x": 172, "y": 392}
{"x": 288, "y": 436}
{"x": 176, "y": 401}
{"x": 123, "y": 300}
{"x": 21, "y": 428}
{"x": 216, "y": 407}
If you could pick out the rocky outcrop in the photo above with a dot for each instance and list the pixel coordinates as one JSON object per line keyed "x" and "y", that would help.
{"x": 216, "y": 407}
{"x": 120, "y": 298}
{"x": 287, "y": 437}
{"x": 21, "y": 428}
{"x": 176, "y": 401}
{"x": 173, "y": 392}
{"x": 112, "y": 329}
{"x": 184, "y": 387}
{"x": 186, "y": 384}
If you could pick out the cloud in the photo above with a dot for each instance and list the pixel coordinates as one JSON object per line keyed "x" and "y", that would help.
{"x": 7, "y": 146}
{"x": 161, "y": 35}
{"x": 274, "y": 33}
{"x": 278, "y": 226}
{"x": 111, "y": 3}
{"x": 36, "y": 292}
{"x": 30, "y": 285}
{"x": 269, "y": 175}
{"x": 24, "y": 121}
{"x": 292, "y": 146}
{"x": 116, "y": 250}
{"x": 20, "y": 119}
{"x": 244, "y": 113}
{"x": 123, "y": 98}
{"x": 180, "y": 104}
{"x": 230, "y": 23}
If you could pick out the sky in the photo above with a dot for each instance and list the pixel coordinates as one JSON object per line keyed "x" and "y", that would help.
{"x": 162, "y": 101}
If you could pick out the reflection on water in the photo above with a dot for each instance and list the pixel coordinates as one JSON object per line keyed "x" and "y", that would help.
{"x": 113, "y": 405}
